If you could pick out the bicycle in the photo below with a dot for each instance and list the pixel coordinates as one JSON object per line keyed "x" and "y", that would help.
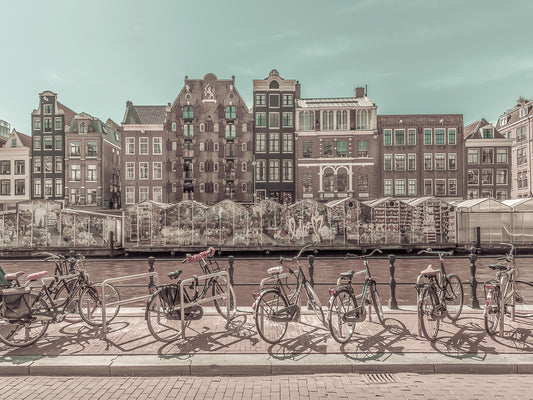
{"x": 501, "y": 293}
{"x": 439, "y": 296}
{"x": 345, "y": 308}
{"x": 25, "y": 315}
{"x": 274, "y": 308}
{"x": 163, "y": 310}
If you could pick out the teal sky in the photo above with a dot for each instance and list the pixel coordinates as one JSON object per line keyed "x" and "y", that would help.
{"x": 417, "y": 56}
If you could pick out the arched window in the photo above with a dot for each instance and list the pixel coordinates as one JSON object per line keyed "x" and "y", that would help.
{"x": 362, "y": 119}
{"x": 173, "y": 127}
{"x": 174, "y": 146}
{"x": 83, "y": 127}
{"x": 244, "y": 127}
{"x": 231, "y": 112}
{"x": 342, "y": 180}
{"x": 188, "y": 112}
{"x": 202, "y": 146}
{"x": 202, "y": 127}
{"x": 328, "y": 180}
{"x": 274, "y": 85}
{"x": 342, "y": 120}
{"x": 327, "y": 120}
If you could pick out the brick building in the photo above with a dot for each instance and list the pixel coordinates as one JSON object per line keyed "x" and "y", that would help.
{"x": 421, "y": 155}
{"x": 15, "y": 159}
{"x": 487, "y": 161}
{"x": 336, "y": 147}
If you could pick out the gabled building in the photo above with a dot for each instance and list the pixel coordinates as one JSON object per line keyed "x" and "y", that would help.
{"x": 15, "y": 157}
{"x": 336, "y": 147}
{"x": 517, "y": 124}
{"x": 488, "y": 161}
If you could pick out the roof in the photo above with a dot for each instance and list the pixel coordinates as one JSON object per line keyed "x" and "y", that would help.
{"x": 473, "y": 131}
{"x": 69, "y": 114}
{"x": 25, "y": 139}
{"x": 491, "y": 204}
{"x": 420, "y": 200}
{"x": 336, "y": 102}
{"x": 144, "y": 115}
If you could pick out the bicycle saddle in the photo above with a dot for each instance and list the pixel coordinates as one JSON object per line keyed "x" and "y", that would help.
{"x": 275, "y": 270}
{"x": 429, "y": 271}
{"x": 348, "y": 274}
{"x": 499, "y": 266}
{"x": 13, "y": 276}
{"x": 37, "y": 275}
{"x": 175, "y": 274}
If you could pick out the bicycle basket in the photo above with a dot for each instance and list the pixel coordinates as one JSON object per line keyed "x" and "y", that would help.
{"x": 15, "y": 302}
{"x": 170, "y": 295}
{"x": 3, "y": 282}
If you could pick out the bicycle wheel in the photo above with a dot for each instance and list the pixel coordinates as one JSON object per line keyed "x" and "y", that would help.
{"x": 271, "y": 316}
{"x": 376, "y": 301}
{"x": 71, "y": 310}
{"x": 221, "y": 304}
{"x": 426, "y": 314}
{"x": 313, "y": 302}
{"x": 163, "y": 320}
{"x": 26, "y": 331}
{"x": 491, "y": 313}
{"x": 454, "y": 297}
{"x": 340, "y": 304}
{"x": 90, "y": 304}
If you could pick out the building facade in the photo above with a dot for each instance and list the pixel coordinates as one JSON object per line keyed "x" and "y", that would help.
{"x": 488, "y": 157}
{"x": 421, "y": 155}
{"x": 209, "y": 130}
{"x": 274, "y": 127}
{"x": 517, "y": 124}
{"x": 5, "y": 130}
{"x": 336, "y": 147}
{"x": 15, "y": 158}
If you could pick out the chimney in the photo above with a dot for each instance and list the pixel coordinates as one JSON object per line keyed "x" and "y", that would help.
{"x": 359, "y": 92}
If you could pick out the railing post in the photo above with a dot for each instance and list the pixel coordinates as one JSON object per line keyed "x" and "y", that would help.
{"x": 393, "y": 303}
{"x": 473, "y": 302}
{"x": 151, "y": 284}
{"x": 111, "y": 244}
{"x": 231, "y": 260}
{"x": 311, "y": 260}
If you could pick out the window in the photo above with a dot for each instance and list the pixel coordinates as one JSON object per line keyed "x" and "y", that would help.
{"x": 48, "y": 143}
{"x": 307, "y": 149}
{"x": 130, "y": 170}
{"x": 230, "y": 112}
{"x": 274, "y": 142}
{"x": 440, "y": 137}
{"x": 37, "y": 188}
{"x": 215, "y": 166}
{"x": 486, "y": 177}
{"x": 472, "y": 177}
{"x": 188, "y": 112}
{"x": 202, "y": 127}
{"x": 361, "y": 119}
{"x": 286, "y": 121}
{"x": 521, "y": 156}
{"x": 328, "y": 180}
{"x": 260, "y": 171}
{"x": 487, "y": 133}
{"x": 452, "y": 136}
{"x": 143, "y": 193}
{"x": 47, "y": 124}
{"x": 287, "y": 171}
{"x": 387, "y": 187}
{"x": 342, "y": 120}
{"x": 521, "y": 134}
{"x": 341, "y": 180}
{"x": 387, "y": 137}
{"x": 260, "y": 100}
{"x": 37, "y": 164}
{"x": 37, "y": 123}
{"x": 522, "y": 113}
{"x": 287, "y": 143}
{"x": 362, "y": 148}
{"x": 329, "y": 149}
{"x": 157, "y": 148}
{"x": 427, "y": 136}
{"x": 91, "y": 173}
{"x": 487, "y": 156}
{"x": 501, "y": 177}
{"x": 157, "y": 194}
{"x": 58, "y": 142}
{"x": 244, "y": 166}
{"x": 260, "y": 142}
{"x": 411, "y": 187}
{"x": 58, "y": 164}
{"x": 75, "y": 173}
{"x": 273, "y": 100}
{"x": 157, "y": 170}
{"x": 428, "y": 187}
{"x": 452, "y": 161}
{"x": 440, "y": 187}
{"x": 230, "y": 131}
{"x": 452, "y": 187}
{"x": 216, "y": 146}
{"x": 342, "y": 148}
{"x": 503, "y": 121}
{"x": 201, "y": 146}
{"x": 48, "y": 166}
{"x": 5, "y": 167}
{"x": 230, "y": 150}
{"x": 83, "y": 127}
{"x": 244, "y": 188}
{"x": 399, "y": 162}
{"x": 287, "y": 100}
{"x": 363, "y": 183}
{"x": 440, "y": 161}
{"x": 245, "y": 127}
{"x": 306, "y": 120}
{"x": 58, "y": 123}
{"x": 501, "y": 156}
{"x": 428, "y": 162}
{"x": 20, "y": 187}
{"x": 5, "y": 187}
{"x": 215, "y": 187}
{"x": 244, "y": 147}
{"x": 411, "y": 162}
{"x": 399, "y": 189}
{"x": 273, "y": 120}
{"x": 473, "y": 156}
{"x": 20, "y": 167}
{"x": 174, "y": 127}
{"x": 143, "y": 170}
{"x": 36, "y": 143}
{"x": 399, "y": 137}
{"x": 130, "y": 146}
{"x": 273, "y": 170}
{"x": 411, "y": 137}
{"x": 501, "y": 194}
{"x": 130, "y": 194}
{"x": 91, "y": 149}
{"x": 202, "y": 166}
{"x": 215, "y": 127}
{"x": 91, "y": 196}
{"x": 308, "y": 183}
{"x": 328, "y": 120}
{"x": 47, "y": 109}
{"x": 387, "y": 162}
{"x": 143, "y": 146}
{"x": 260, "y": 120}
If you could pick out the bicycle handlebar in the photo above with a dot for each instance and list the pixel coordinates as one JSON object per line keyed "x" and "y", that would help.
{"x": 210, "y": 252}
{"x": 362, "y": 257}
{"x": 301, "y": 251}
{"x": 511, "y": 251}
{"x": 439, "y": 253}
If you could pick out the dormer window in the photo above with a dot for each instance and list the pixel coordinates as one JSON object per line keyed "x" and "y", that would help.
{"x": 523, "y": 112}
{"x": 503, "y": 121}
{"x": 188, "y": 112}
{"x": 83, "y": 127}
{"x": 231, "y": 112}
{"x": 488, "y": 133}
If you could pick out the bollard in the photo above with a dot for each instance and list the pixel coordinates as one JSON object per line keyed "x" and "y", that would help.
{"x": 393, "y": 304}
{"x": 311, "y": 260}
{"x": 473, "y": 302}
{"x": 231, "y": 260}
{"x": 151, "y": 285}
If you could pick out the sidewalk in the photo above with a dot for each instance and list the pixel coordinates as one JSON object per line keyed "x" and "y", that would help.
{"x": 212, "y": 348}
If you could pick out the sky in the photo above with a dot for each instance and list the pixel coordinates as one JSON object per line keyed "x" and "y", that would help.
{"x": 470, "y": 57}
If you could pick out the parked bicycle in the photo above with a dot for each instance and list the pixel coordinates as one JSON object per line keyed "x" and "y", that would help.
{"x": 27, "y": 310}
{"x": 274, "y": 307}
{"x": 163, "y": 310}
{"x": 345, "y": 308}
{"x": 439, "y": 295}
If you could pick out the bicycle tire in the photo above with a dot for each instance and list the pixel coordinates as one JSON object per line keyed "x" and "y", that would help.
{"x": 268, "y": 306}
{"x": 339, "y": 304}
{"x": 163, "y": 325}
{"x": 26, "y": 331}
{"x": 376, "y": 302}
{"x": 90, "y": 304}
{"x": 71, "y": 310}
{"x": 492, "y": 311}
{"x": 454, "y": 296}
{"x": 426, "y": 314}
{"x": 220, "y": 304}
{"x": 313, "y": 302}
